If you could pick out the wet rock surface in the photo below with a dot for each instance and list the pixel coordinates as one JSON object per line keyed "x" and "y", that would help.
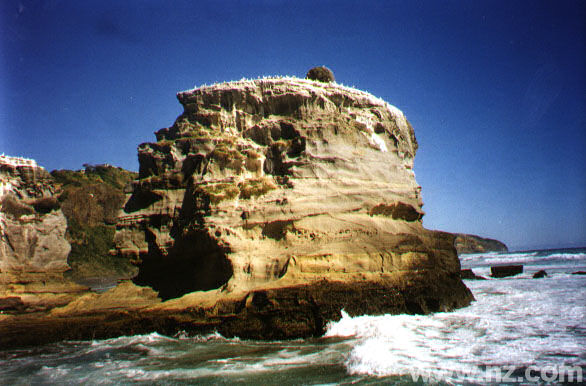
{"x": 505, "y": 270}
{"x": 470, "y": 275}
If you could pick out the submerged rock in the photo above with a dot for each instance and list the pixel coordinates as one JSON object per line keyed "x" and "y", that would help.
{"x": 539, "y": 274}
{"x": 505, "y": 270}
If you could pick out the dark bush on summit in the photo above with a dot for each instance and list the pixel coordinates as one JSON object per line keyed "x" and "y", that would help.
{"x": 321, "y": 74}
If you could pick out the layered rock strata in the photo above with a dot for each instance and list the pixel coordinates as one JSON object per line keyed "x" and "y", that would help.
{"x": 33, "y": 247}
{"x": 267, "y": 208}
{"x": 284, "y": 183}
{"x": 32, "y": 226}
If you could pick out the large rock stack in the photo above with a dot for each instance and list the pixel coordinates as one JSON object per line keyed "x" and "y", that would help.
{"x": 286, "y": 200}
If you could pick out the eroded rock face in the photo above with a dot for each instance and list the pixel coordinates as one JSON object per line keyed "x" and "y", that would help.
{"x": 267, "y": 208}
{"x": 32, "y": 227}
{"x": 34, "y": 243}
{"x": 280, "y": 183}
{"x": 33, "y": 247}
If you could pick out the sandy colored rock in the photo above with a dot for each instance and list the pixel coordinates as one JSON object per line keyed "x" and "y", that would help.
{"x": 275, "y": 177}
{"x": 33, "y": 247}
{"x": 279, "y": 183}
{"x": 33, "y": 243}
{"x": 125, "y": 296}
{"x": 32, "y": 233}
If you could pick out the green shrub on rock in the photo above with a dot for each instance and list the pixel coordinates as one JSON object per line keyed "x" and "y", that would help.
{"x": 321, "y": 74}
{"x": 90, "y": 200}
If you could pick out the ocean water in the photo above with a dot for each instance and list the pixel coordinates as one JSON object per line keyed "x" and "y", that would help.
{"x": 519, "y": 330}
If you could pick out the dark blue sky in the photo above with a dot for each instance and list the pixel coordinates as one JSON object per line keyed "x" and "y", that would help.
{"x": 496, "y": 90}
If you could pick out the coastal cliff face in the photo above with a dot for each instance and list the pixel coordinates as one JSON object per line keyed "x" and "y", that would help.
{"x": 474, "y": 244}
{"x": 278, "y": 183}
{"x": 32, "y": 226}
{"x": 33, "y": 246}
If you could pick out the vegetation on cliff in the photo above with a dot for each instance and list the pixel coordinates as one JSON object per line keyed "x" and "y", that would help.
{"x": 465, "y": 243}
{"x": 90, "y": 200}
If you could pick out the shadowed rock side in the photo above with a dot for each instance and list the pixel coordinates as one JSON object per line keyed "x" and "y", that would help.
{"x": 474, "y": 244}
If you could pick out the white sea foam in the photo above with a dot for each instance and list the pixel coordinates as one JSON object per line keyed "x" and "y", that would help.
{"x": 495, "y": 258}
{"x": 132, "y": 340}
{"x": 513, "y": 322}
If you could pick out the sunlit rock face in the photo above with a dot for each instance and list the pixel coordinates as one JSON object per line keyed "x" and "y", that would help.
{"x": 274, "y": 184}
{"x": 32, "y": 227}
{"x": 33, "y": 246}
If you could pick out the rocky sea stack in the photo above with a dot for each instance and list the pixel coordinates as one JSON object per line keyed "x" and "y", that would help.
{"x": 292, "y": 198}
{"x": 267, "y": 207}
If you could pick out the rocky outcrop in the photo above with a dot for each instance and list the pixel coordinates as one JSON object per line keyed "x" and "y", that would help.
{"x": 278, "y": 183}
{"x": 33, "y": 243}
{"x": 474, "y": 244}
{"x": 24, "y": 179}
{"x": 470, "y": 275}
{"x": 505, "y": 270}
{"x": 32, "y": 238}
{"x": 33, "y": 247}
